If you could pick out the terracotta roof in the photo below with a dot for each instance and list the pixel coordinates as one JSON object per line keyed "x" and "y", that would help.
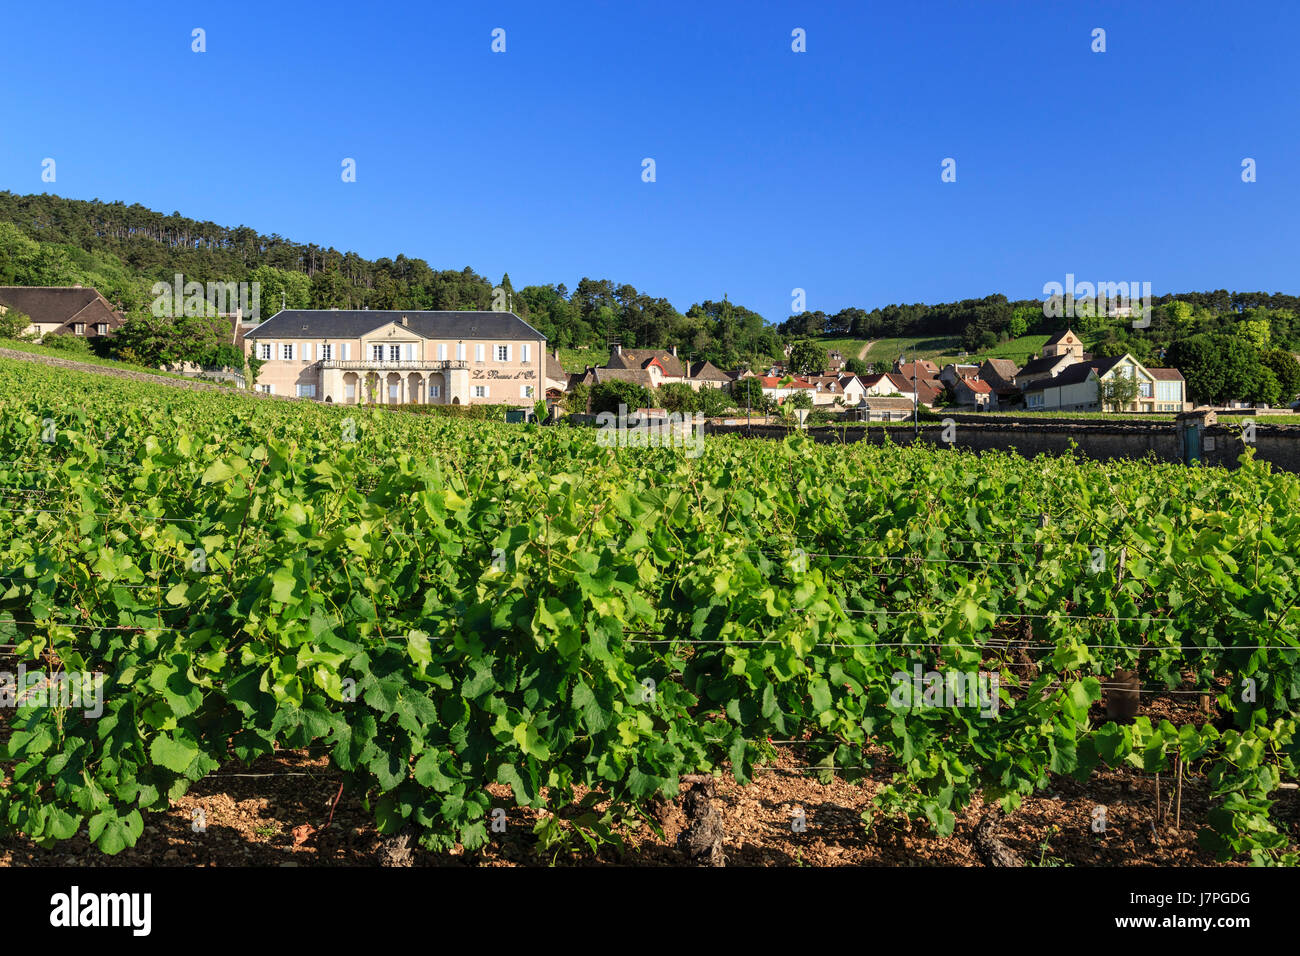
{"x": 977, "y": 386}
{"x": 771, "y": 381}
{"x": 927, "y": 393}
{"x": 924, "y": 369}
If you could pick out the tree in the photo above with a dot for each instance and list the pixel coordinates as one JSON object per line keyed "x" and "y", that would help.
{"x": 14, "y": 324}
{"x": 857, "y": 367}
{"x": 1287, "y": 370}
{"x": 608, "y": 396}
{"x": 1217, "y": 368}
{"x": 712, "y": 401}
{"x": 748, "y": 393}
{"x": 807, "y": 358}
{"x": 1257, "y": 330}
{"x": 1266, "y": 389}
{"x": 576, "y": 399}
{"x": 677, "y": 397}
{"x": 800, "y": 399}
{"x": 1118, "y": 392}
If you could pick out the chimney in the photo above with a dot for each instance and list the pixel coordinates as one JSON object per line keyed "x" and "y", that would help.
{"x": 618, "y": 350}
{"x": 674, "y": 350}
{"x": 555, "y": 354}
{"x": 404, "y": 321}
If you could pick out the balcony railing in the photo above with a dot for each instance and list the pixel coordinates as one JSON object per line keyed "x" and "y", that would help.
{"x": 393, "y": 365}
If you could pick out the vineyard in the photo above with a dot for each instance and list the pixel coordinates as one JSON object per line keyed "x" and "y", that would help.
{"x": 441, "y": 606}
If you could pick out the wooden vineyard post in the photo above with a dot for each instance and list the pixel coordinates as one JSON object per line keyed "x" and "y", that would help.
{"x": 1178, "y": 799}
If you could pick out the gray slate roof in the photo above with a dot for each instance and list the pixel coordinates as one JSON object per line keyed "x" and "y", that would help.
{"x": 351, "y": 323}
{"x": 1075, "y": 374}
{"x": 1041, "y": 366}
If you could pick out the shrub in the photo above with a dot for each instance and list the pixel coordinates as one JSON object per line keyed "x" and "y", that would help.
{"x": 67, "y": 343}
{"x": 712, "y": 401}
{"x": 678, "y": 397}
{"x": 608, "y": 396}
{"x": 13, "y": 325}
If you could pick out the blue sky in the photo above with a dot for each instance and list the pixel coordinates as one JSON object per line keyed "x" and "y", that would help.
{"x": 775, "y": 169}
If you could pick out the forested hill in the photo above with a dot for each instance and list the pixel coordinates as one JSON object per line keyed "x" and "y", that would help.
{"x": 122, "y": 250}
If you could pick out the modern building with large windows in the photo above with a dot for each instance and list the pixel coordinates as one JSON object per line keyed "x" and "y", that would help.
{"x": 400, "y": 357}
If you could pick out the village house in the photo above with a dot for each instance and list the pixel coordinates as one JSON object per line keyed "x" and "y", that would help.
{"x": 874, "y": 408}
{"x": 707, "y": 375}
{"x": 972, "y": 391}
{"x": 62, "y": 310}
{"x": 1078, "y": 387}
{"x": 828, "y": 388}
{"x": 952, "y": 374}
{"x": 1001, "y": 376}
{"x": 926, "y": 391}
{"x": 555, "y": 378}
{"x": 922, "y": 368}
{"x": 779, "y": 389}
{"x": 1061, "y": 351}
{"x": 400, "y": 357}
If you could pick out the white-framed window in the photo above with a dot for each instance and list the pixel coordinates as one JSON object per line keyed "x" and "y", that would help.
{"x": 442, "y": 351}
{"x": 306, "y": 391}
{"x": 435, "y": 391}
{"x": 101, "y": 328}
{"x": 349, "y": 392}
{"x": 525, "y": 352}
{"x": 460, "y": 351}
{"x": 480, "y": 391}
{"x": 394, "y": 353}
{"x": 79, "y": 328}
{"x": 525, "y": 391}
{"x": 326, "y": 351}
{"x": 286, "y": 351}
{"x": 347, "y": 351}
{"x": 266, "y": 389}
{"x": 305, "y": 355}
{"x": 377, "y": 353}
{"x": 478, "y": 352}
{"x": 264, "y": 351}
{"x": 503, "y": 353}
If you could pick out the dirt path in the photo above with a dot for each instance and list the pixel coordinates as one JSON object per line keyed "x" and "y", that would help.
{"x": 862, "y": 352}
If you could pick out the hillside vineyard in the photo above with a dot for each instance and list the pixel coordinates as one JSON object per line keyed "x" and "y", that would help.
{"x": 441, "y": 605}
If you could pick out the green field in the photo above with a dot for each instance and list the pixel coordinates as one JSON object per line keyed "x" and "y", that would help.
{"x": 577, "y": 360}
{"x": 439, "y": 607}
{"x": 939, "y": 349}
{"x": 89, "y": 359}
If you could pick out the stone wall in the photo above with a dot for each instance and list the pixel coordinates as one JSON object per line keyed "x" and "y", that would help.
{"x": 1156, "y": 440}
